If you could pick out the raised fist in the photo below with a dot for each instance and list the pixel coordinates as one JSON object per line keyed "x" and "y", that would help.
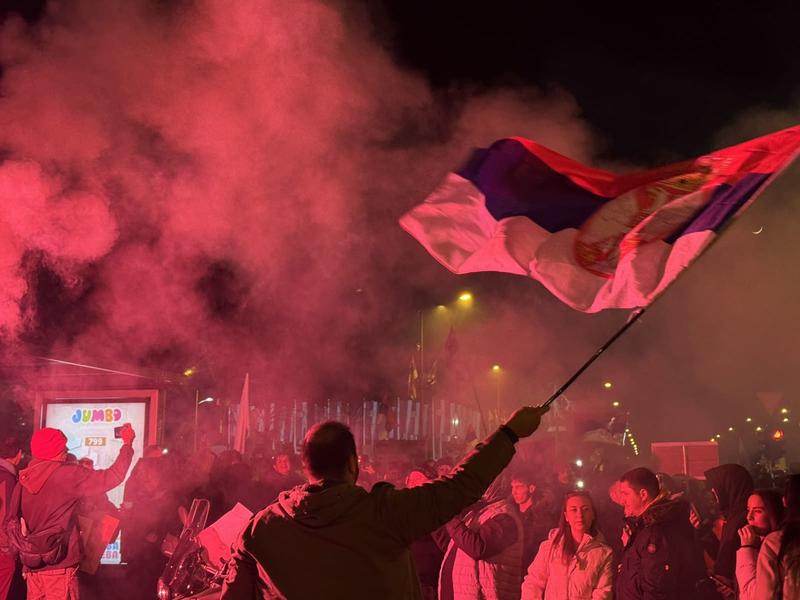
{"x": 127, "y": 434}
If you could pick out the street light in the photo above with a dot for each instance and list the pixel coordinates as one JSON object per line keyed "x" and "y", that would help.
{"x": 464, "y": 298}
{"x": 496, "y": 370}
{"x": 197, "y": 403}
{"x": 615, "y": 404}
{"x": 607, "y": 385}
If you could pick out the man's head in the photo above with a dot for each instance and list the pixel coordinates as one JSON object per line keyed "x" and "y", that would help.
{"x": 282, "y": 464}
{"x": 329, "y": 453}
{"x": 11, "y": 450}
{"x": 48, "y": 443}
{"x": 637, "y": 489}
{"x": 522, "y": 488}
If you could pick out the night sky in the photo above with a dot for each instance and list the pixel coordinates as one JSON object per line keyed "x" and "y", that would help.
{"x": 616, "y": 88}
{"x": 654, "y": 86}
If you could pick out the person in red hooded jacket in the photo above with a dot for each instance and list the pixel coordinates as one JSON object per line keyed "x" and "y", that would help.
{"x": 50, "y": 490}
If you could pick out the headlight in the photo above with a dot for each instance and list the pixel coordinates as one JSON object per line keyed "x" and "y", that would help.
{"x": 163, "y": 591}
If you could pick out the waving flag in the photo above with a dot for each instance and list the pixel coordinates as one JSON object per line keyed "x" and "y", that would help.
{"x": 595, "y": 239}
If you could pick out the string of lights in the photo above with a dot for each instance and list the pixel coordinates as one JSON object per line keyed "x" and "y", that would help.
{"x": 776, "y": 434}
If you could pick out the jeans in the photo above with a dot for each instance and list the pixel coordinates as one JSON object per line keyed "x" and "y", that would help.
{"x": 55, "y": 584}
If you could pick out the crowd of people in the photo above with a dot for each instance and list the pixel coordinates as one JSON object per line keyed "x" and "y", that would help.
{"x": 333, "y": 524}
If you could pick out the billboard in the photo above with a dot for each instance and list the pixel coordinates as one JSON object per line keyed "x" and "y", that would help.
{"x": 88, "y": 419}
{"x": 688, "y": 458}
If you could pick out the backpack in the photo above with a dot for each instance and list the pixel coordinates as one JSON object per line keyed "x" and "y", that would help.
{"x": 36, "y": 549}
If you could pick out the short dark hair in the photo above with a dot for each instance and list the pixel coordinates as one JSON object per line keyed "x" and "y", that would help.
{"x": 326, "y": 449}
{"x": 9, "y": 447}
{"x": 642, "y": 479}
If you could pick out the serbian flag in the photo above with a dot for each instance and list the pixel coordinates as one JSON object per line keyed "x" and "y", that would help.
{"x": 595, "y": 239}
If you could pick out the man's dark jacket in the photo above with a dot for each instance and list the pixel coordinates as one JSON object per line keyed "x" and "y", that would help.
{"x": 8, "y": 481}
{"x": 340, "y": 541}
{"x": 52, "y": 489}
{"x": 661, "y": 560}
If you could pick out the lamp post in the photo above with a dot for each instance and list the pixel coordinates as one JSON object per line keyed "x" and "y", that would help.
{"x": 496, "y": 370}
{"x": 421, "y": 380}
{"x": 197, "y": 403}
{"x": 464, "y": 299}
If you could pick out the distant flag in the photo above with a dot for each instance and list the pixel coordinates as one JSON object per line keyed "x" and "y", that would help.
{"x": 243, "y": 420}
{"x": 770, "y": 401}
{"x": 432, "y": 375}
{"x": 413, "y": 379}
{"x": 595, "y": 239}
{"x": 451, "y": 344}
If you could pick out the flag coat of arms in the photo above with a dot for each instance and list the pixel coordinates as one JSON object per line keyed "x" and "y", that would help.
{"x": 595, "y": 239}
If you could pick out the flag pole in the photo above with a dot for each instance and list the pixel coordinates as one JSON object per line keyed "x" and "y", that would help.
{"x": 639, "y": 311}
{"x": 634, "y": 316}
{"x": 478, "y": 404}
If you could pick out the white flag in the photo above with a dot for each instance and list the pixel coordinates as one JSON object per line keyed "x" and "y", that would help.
{"x": 243, "y": 421}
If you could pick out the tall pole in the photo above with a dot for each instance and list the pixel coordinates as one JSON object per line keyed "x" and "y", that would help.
{"x": 631, "y": 320}
{"x": 422, "y": 379}
{"x": 196, "y": 417}
{"x": 497, "y": 394}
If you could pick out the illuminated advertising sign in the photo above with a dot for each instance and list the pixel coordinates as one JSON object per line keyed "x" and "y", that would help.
{"x": 90, "y": 432}
{"x": 89, "y": 422}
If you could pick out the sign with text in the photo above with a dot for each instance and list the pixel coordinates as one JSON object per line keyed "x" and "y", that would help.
{"x": 89, "y": 426}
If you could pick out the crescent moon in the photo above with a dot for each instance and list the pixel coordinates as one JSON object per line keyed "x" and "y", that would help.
{"x": 760, "y": 229}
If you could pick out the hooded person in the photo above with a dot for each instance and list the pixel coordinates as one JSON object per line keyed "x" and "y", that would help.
{"x": 49, "y": 493}
{"x": 484, "y": 557}
{"x": 330, "y": 538}
{"x": 731, "y": 486}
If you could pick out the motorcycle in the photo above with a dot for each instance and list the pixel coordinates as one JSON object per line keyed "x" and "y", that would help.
{"x": 187, "y": 573}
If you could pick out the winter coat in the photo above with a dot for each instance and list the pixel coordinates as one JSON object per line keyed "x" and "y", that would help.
{"x": 589, "y": 575}
{"x": 661, "y": 560}
{"x": 52, "y": 490}
{"x": 746, "y": 559}
{"x": 8, "y": 480}
{"x": 337, "y": 540}
{"x": 770, "y": 575}
{"x": 484, "y": 558}
{"x": 427, "y": 560}
{"x": 535, "y": 527}
{"x": 733, "y": 485}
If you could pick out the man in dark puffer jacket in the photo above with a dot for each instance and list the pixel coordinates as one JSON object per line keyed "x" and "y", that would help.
{"x": 661, "y": 559}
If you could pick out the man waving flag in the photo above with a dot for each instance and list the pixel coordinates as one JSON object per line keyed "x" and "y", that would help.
{"x": 595, "y": 239}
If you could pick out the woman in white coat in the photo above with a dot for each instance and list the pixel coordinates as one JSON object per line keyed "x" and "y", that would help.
{"x": 574, "y": 562}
